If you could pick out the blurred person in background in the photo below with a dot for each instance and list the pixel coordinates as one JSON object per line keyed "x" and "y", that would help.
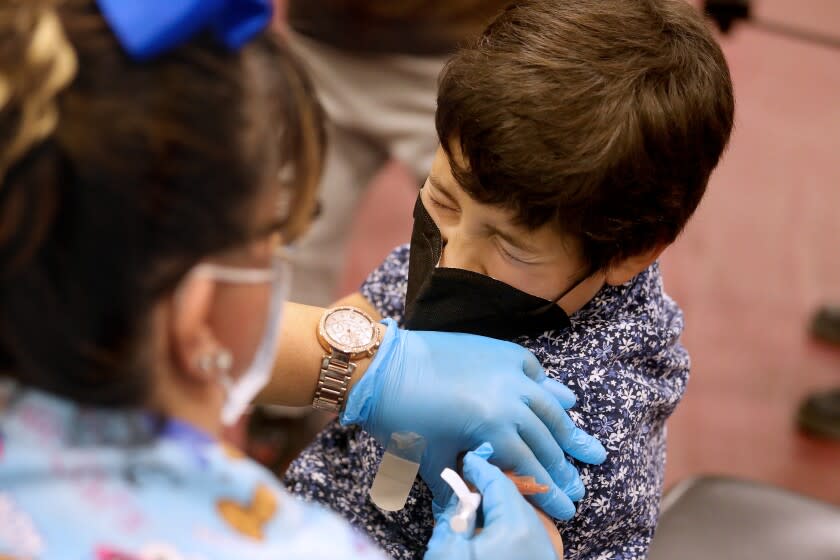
{"x": 375, "y": 65}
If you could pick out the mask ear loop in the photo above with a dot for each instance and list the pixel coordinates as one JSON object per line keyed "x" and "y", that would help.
{"x": 567, "y": 291}
{"x": 436, "y": 243}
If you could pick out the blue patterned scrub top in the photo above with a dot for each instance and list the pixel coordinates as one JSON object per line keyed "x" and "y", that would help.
{"x": 622, "y": 358}
{"x": 80, "y": 484}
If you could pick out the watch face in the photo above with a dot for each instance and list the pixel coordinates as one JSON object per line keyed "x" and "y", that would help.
{"x": 349, "y": 330}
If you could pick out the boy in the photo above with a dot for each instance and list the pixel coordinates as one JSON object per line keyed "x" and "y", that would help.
{"x": 577, "y": 138}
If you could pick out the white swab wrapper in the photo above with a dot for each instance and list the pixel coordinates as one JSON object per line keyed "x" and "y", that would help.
{"x": 464, "y": 519}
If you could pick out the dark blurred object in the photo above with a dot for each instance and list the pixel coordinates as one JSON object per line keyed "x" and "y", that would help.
{"x": 731, "y": 519}
{"x": 819, "y": 414}
{"x": 725, "y": 13}
{"x": 275, "y": 437}
{"x": 825, "y": 326}
{"x": 411, "y": 27}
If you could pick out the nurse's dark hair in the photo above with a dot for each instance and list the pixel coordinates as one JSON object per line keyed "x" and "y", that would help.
{"x": 149, "y": 169}
{"x": 602, "y": 117}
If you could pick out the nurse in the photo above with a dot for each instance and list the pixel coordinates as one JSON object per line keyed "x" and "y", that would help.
{"x": 155, "y": 159}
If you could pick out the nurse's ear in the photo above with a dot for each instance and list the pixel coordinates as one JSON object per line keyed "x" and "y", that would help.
{"x": 196, "y": 355}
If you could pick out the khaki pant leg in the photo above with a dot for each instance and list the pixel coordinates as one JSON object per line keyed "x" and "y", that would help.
{"x": 378, "y": 106}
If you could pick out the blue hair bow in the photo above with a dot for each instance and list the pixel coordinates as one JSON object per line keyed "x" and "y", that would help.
{"x": 148, "y": 28}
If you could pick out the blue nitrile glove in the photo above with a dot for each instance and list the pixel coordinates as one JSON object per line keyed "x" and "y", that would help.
{"x": 460, "y": 390}
{"x": 512, "y": 529}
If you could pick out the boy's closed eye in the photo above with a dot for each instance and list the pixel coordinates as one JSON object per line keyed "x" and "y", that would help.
{"x": 442, "y": 201}
{"x": 440, "y": 205}
{"x": 439, "y": 196}
{"x": 514, "y": 256}
{"x": 505, "y": 249}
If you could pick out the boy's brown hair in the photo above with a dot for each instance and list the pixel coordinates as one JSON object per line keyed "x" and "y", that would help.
{"x": 602, "y": 117}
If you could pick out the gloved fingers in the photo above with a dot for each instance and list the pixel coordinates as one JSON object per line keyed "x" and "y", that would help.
{"x": 497, "y": 491}
{"x": 502, "y": 351}
{"x": 515, "y": 455}
{"x": 551, "y": 457}
{"x": 572, "y": 440}
{"x": 443, "y": 515}
{"x": 501, "y": 501}
{"x": 531, "y": 366}
{"x": 446, "y": 544}
{"x": 512, "y": 528}
{"x": 565, "y": 396}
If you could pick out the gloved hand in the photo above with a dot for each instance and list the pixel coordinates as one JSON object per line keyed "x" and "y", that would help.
{"x": 512, "y": 529}
{"x": 460, "y": 390}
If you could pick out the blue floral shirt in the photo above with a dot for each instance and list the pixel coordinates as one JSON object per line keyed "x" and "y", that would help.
{"x": 102, "y": 485}
{"x": 622, "y": 358}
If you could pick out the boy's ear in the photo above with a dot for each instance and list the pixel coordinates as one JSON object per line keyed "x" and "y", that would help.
{"x": 625, "y": 270}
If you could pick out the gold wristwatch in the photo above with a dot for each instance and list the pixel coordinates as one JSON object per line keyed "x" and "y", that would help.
{"x": 347, "y": 334}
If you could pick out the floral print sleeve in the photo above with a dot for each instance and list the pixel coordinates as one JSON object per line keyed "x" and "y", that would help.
{"x": 386, "y": 286}
{"x": 623, "y": 359}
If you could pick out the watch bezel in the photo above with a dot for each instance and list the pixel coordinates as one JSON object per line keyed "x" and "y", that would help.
{"x": 353, "y": 351}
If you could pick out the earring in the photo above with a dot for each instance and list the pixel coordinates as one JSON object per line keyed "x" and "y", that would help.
{"x": 216, "y": 362}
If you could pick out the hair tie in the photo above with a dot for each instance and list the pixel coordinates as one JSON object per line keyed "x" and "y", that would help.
{"x": 148, "y": 28}
{"x": 49, "y": 65}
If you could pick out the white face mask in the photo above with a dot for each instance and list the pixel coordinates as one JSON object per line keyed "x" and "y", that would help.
{"x": 242, "y": 390}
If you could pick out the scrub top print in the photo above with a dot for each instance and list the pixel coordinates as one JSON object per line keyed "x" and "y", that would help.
{"x": 105, "y": 485}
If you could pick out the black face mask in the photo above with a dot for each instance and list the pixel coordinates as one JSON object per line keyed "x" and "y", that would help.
{"x": 455, "y": 300}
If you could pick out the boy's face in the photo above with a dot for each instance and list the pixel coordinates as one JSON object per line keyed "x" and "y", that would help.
{"x": 485, "y": 239}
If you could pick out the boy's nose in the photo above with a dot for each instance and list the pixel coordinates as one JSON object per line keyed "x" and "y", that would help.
{"x": 459, "y": 252}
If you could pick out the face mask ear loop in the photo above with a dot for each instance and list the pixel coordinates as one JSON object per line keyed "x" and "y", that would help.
{"x": 567, "y": 291}
{"x": 436, "y": 242}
